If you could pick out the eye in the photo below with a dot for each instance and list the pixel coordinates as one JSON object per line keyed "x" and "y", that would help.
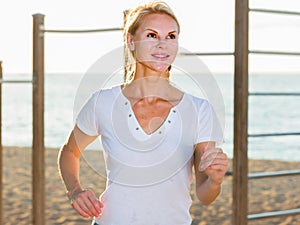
{"x": 171, "y": 36}
{"x": 151, "y": 35}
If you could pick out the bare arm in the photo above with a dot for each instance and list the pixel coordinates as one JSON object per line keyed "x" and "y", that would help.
{"x": 83, "y": 201}
{"x": 208, "y": 181}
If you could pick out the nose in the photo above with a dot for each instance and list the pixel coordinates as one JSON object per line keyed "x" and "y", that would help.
{"x": 161, "y": 43}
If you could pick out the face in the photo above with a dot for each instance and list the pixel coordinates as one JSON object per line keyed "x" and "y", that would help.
{"x": 155, "y": 42}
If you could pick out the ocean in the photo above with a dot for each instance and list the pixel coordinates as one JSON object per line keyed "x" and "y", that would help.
{"x": 267, "y": 114}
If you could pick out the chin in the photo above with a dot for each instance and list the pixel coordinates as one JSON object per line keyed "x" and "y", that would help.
{"x": 161, "y": 68}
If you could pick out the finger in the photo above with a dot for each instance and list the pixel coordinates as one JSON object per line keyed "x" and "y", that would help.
{"x": 219, "y": 164}
{"x": 211, "y": 152}
{"x": 208, "y": 157}
{"x": 87, "y": 201}
{"x": 84, "y": 204}
{"x": 97, "y": 204}
{"x": 203, "y": 165}
{"x": 93, "y": 204}
{"x": 219, "y": 158}
{"x": 216, "y": 171}
{"x": 90, "y": 194}
{"x": 79, "y": 208}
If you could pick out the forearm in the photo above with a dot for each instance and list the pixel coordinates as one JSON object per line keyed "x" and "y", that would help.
{"x": 210, "y": 176}
{"x": 69, "y": 165}
{"x": 208, "y": 191}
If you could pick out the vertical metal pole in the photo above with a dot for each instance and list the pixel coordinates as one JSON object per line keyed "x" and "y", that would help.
{"x": 38, "y": 148}
{"x": 240, "y": 159}
{"x": 125, "y": 49}
{"x": 1, "y": 149}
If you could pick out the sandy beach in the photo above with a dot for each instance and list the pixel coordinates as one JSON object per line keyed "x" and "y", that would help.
{"x": 264, "y": 194}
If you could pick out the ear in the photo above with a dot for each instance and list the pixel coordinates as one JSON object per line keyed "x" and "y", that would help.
{"x": 130, "y": 42}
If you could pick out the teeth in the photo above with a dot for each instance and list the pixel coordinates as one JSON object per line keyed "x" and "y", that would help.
{"x": 160, "y": 56}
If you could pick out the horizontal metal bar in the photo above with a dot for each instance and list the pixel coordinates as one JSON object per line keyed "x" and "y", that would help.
{"x": 232, "y": 53}
{"x": 275, "y": 11}
{"x": 260, "y": 175}
{"x": 273, "y": 174}
{"x": 273, "y": 214}
{"x": 275, "y": 134}
{"x": 274, "y": 53}
{"x": 205, "y": 53}
{"x": 82, "y": 31}
{"x": 275, "y": 93}
{"x": 2, "y": 81}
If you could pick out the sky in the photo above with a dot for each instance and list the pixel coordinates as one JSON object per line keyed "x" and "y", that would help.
{"x": 206, "y": 26}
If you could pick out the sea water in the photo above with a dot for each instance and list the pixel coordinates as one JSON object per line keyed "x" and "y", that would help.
{"x": 267, "y": 114}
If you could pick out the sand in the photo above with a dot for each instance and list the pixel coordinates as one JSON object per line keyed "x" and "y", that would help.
{"x": 264, "y": 194}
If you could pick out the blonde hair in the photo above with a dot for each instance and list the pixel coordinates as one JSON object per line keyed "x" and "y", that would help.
{"x": 132, "y": 21}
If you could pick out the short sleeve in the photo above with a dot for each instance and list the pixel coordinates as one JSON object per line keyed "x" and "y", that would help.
{"x": 86, "y": 119}
{"x": 209, "y": 127}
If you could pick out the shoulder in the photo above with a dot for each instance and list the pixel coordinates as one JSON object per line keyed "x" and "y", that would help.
{"x": 106, "y": 94}
{"x": 108, "y": 91}
{"x": 199, "y": 103}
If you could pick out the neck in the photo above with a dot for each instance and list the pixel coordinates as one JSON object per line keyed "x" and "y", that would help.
{"x": 142, "y": 71}
{"x": 148, "y": 82}
{"x": 150, "y": 86}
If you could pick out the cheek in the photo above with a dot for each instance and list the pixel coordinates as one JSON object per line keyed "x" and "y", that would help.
{"x": 142, "y": 51}
{"x": 174, "y": 47}
{"x": 173, "y": 50}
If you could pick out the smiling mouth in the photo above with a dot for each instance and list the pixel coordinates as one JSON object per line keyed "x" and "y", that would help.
{"x": 161, "y": 57}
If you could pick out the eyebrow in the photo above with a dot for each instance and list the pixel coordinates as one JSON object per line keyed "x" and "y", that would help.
{"x": 149, "y": 29}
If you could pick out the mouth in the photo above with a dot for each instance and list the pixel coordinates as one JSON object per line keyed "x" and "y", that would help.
{"x": 160, "y": 56}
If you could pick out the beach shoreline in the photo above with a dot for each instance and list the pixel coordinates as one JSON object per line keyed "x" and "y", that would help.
{"x": 267, "y": 194}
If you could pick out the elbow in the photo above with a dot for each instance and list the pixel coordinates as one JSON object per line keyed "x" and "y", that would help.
{"x": 69, "y": 151}
{"x": 207, "y": 196}
{"x": 60, "y": 157}
{"x": 65, "y": 156}
{"x": 204, "y": 201}
{"x": 61, "y": 153}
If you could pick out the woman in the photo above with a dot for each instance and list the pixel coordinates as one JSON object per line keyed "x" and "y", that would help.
{"x": 153, "y": 134}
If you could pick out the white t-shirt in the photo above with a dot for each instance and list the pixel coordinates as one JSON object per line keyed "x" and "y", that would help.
{"x": 148, "y": 176}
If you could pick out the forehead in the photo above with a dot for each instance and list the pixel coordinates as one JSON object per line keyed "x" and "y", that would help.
{"x": 158, "y": 22}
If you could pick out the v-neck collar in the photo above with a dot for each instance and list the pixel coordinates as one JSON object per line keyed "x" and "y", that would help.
{"x": 168, "y": 120}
